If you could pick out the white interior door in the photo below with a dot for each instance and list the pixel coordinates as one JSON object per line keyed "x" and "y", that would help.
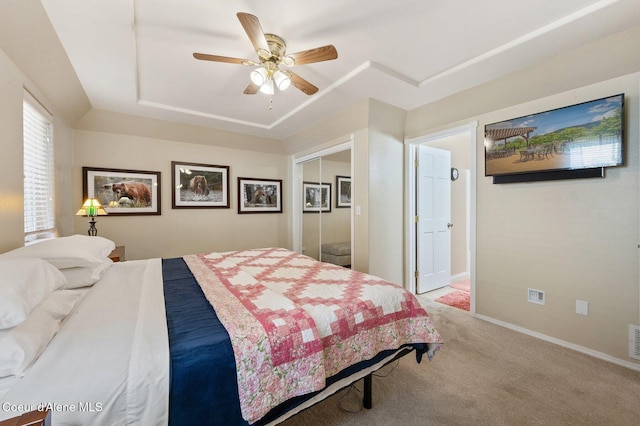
{"x": 433, "y": 211}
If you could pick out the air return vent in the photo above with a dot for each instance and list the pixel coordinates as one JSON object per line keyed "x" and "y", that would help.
{"x": 634, "y": 341}
{"x": 536, "y": 296}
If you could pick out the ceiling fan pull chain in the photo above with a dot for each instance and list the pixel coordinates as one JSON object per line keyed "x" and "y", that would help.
{"x": 270, "y": 103}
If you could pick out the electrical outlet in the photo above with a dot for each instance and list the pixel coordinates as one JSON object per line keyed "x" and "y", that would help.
{"x": 535, "y": 296}
{"x": 582, "y": 307}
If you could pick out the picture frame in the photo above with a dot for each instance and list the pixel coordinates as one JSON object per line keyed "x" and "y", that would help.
{"x": 316, "y": 197}
{"x": 259, "y": 195}
{"x": 123, "y": 192}
{"x": 343, "y": 192}
{"x": 199, "y": 186}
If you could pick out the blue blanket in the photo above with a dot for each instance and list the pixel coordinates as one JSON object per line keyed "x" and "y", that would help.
{"x": 203, "y": 382}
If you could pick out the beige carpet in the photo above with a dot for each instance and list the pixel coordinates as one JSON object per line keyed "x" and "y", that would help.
{"x": 489, "y": 375}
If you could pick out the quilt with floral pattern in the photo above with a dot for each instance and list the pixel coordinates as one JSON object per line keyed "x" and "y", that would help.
{"x": 293, "y": 321}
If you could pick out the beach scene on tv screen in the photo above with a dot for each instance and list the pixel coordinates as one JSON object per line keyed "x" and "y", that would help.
{"x": 585, "y": 135}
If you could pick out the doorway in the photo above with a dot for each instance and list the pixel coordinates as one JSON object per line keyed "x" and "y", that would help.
{"x": 461, "y": 142}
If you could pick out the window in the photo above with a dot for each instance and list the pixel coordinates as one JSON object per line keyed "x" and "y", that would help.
{"x": 39, "y": 211}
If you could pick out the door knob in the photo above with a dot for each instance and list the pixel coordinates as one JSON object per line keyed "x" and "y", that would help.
{"x": 449, "y": 225}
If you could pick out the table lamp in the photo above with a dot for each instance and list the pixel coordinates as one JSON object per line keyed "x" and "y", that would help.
{"x": 92, "y": 208}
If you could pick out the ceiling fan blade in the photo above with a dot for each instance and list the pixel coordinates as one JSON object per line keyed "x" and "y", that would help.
{"x": 302, "y": 84}
{"x": 216, "y": 58}
{"x": 251, "y": 89}
{"x": 252, "y": 27}
{"x": 319, "y": 54}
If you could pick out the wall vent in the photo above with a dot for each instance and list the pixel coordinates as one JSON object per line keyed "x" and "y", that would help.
{"x": 634, "y": 341}
{"x": 536, "y": 296}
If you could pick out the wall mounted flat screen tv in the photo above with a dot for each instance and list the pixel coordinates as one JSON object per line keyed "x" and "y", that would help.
{"x": 573, "y": 141}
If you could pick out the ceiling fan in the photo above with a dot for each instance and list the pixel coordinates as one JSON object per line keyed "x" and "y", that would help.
{"x": 271, "y": 69}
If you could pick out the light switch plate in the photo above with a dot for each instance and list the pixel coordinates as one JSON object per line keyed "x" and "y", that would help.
{"x": 582, "y": 307}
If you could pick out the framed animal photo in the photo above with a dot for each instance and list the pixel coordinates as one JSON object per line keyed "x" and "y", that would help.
{"x": 259, "y": 195}
{"x": 316, "y": 197}
{"x": 198, "y": 186}
{"x": 343, "y": 191}
{"x": 123, "y": 192}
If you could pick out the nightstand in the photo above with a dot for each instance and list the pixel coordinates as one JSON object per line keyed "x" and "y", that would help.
{"x": 34, "y": 418}
{"x": 117, "y": 255}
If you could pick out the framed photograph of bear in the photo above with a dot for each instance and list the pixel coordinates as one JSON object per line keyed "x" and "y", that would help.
{"x": 343, "y": 192}
{"x": 259, "y": 195}
{"x": 131, "y": 192}
{"x": 316, "y": 197}
{"x": 197, "y": 186}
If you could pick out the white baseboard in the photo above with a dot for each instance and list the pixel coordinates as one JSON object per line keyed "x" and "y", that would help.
{"x": 568, "y": 345}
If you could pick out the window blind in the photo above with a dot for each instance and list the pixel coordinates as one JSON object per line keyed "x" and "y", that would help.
{"x": 39, "y": 210}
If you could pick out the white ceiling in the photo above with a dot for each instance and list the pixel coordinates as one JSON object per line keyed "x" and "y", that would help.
{"x": 135, "y": 56}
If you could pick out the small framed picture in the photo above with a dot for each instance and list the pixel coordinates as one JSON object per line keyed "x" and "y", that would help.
{"x": 343, "y": 192}
{"x": 259, "y": 195}
{"x": 123, "y": 192}
{"x": 198, "y": 186}
{"x": 316, "y": 197}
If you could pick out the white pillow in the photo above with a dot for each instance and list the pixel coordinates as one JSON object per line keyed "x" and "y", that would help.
{"x": 67, "y": 252}
{"x": 83, "y": 277}
{"x": 21, "y": 345}
{"x": 24, "y": 283}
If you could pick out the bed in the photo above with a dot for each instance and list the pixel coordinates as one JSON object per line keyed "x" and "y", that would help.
{"x": 173, "y": 341}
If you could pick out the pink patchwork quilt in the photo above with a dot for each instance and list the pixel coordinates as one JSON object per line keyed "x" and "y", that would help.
{"x": 293, "y": 321}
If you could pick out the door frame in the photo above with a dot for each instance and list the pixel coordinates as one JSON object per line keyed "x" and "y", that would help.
{"x": 410, "y": 202}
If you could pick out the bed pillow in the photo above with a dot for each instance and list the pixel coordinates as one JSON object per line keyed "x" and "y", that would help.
{"x": 25, "y": 284}
{"x": 21, "y": 345}
{"x": 84, "y": 277}
{"x": 67, "y": 252}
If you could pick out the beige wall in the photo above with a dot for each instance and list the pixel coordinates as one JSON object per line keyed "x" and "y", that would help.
{"x": 385, "y": 230}
{"x": 575, "y": 239}
{"x": 12, "y": 82}
{"x": 178, "y": 232}
{"x": 328, "y": 132}
{"x": 360, "y": 200}
{"x": 113, "y": 122}
{"x": 386, "y": 197}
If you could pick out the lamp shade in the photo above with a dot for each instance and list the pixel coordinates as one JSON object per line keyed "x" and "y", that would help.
{"x": 259, "y": 76}
{"x": 267, "y": 88}
{"x": 91, "y": 208}
{"x": 282, "y": 80}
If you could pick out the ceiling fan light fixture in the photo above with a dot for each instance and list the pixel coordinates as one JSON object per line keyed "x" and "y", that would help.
{"x": 267, "y": 88}
{"x": 272, "y": 53}
{"x": 259, "y": 76}
{"x": 282, "y": 80}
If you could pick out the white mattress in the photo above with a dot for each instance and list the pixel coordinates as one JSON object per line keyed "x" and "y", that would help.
{"x": 114, "y": 375}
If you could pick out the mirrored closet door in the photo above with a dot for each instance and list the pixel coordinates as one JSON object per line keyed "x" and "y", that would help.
{"x": 326, "y": 207}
